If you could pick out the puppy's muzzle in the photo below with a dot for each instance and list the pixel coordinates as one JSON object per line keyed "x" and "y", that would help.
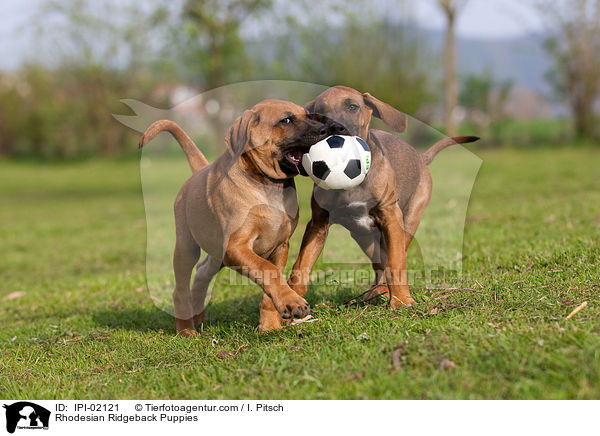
{"x": 320, "y": 127}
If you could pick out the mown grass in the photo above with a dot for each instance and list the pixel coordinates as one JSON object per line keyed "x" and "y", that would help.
{"x": 73, "y": 241}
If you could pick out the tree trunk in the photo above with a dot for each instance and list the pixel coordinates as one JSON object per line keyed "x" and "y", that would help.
{"x": 583, "y": 114}
{"x": 450, "y": 73}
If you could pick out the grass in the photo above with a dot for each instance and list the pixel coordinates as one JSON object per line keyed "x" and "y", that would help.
{"x": 82, "y": 324}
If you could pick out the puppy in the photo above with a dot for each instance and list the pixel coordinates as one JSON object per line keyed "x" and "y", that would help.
{"x": 242, "y": 208}
{"x": 383, "y": 213}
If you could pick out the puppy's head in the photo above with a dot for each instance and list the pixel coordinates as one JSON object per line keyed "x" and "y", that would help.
{"x": 353, "y": 110}
{"x": 271, "y": 137}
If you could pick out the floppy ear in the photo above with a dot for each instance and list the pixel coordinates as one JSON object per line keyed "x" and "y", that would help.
{"x": 389, "y": 115}
{"x": 310, "y": 107}
{"x": 239, "y": 133}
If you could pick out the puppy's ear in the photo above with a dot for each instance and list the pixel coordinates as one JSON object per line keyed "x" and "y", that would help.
{"x": 310, "y": 107}
{"x": 389, "y": 115}
{"x": 239, "y": 133}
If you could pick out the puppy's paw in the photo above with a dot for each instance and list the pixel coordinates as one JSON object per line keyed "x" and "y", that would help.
{"x": 398, "y": 303}
{"x": 269, "y": 321}
{"x": 376, "y": 291}
{"x": 292, "y": 305}
{"x": 185, "y": 328}
{"x": 187, "y": 333}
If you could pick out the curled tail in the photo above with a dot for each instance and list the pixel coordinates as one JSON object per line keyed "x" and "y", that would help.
{"x": 430, "y": 154}
{"x": 194, "y": 156}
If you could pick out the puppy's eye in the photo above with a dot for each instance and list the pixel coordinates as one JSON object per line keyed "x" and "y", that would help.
{"x": 353, "y": 107}
{"x": 286, "y": 120}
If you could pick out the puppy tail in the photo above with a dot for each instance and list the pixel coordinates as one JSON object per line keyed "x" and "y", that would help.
{"x": 194, "y": 156}
{"x": 430, "y": 154}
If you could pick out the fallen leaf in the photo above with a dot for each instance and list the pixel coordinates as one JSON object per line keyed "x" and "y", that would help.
{"x": 224, "y": 355}
{"x": 434, "y": 311}
{"x": 399, "y": 355}
{"x": 447, "y": 364}
{"x": 356, "y": 376}
{"x": 217, "y": 387}
{"x": 13, "y": 295}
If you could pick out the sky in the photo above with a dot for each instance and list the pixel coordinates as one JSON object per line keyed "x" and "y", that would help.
{"x": 490, "y": 19}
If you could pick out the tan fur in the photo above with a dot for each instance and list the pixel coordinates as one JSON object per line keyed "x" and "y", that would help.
{"x": 393, "y": 196}
{"x": 241, "y": 210}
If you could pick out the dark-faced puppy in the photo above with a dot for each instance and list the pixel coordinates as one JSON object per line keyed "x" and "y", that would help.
{"x": 242, "y": 208}
{"x": 383, "y": 213}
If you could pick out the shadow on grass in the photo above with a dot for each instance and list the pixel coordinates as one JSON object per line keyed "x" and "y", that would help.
{"x": 234, "y": 309}
{"x": 143, "y": 319}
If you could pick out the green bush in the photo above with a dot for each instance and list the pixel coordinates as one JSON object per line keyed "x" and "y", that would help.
{"x": 66, "y": 113}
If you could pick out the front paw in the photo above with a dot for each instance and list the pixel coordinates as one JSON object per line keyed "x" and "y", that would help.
{"x": 291, "y": 304}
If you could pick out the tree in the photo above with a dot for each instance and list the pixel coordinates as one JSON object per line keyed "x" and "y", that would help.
{"x": 358, "y": 48}
{"x": 575, "y": 46}
{"x": 212, "y": 42}
{"x": 450, "y": 8}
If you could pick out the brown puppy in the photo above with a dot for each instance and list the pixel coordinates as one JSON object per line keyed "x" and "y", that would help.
{"x": 383, "y": 213}
{"x": 242, "y": 208}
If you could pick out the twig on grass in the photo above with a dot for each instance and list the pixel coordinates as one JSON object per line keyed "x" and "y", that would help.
{"x": 447, "y": 292}
{"x": 307, "y": 318}
{"x": 528, "y": 268}
{"x": 357, "y": 316}
{"x": 577, "y": 309}
{"x": 229, "y": 355}
{"x": 354, "y": 300}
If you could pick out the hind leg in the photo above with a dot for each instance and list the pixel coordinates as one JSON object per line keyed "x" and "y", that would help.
{"x": 205, "y": 272}
{"x": 185, "y": 257}
{"x": 416, "y": 206}
{"x": 374, "y": 247}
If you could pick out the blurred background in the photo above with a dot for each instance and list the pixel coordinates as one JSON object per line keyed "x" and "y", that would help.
{"x": 518, "y": 73}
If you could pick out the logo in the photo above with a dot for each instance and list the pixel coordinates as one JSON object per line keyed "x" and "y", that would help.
{"x": 26, "y": 415}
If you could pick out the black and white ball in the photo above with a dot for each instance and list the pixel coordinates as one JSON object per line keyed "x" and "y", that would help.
{"x": 338, "y": 162}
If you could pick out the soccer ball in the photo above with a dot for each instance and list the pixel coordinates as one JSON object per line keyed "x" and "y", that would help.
{"x": 338, "y": 162}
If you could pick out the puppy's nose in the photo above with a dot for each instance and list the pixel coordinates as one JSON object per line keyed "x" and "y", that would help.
{"x": 338, "y": 129}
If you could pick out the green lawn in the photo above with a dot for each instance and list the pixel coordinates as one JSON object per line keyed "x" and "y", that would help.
{"x": 77, "y": 320}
